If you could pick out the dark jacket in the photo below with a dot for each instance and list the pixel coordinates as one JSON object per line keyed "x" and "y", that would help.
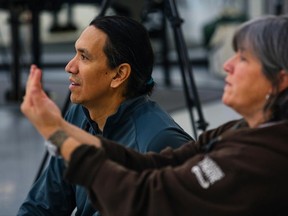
{"x": 227, "y": 171}
{"x": 139, "y": 124}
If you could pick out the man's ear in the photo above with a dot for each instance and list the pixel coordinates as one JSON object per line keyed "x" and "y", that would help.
{"x": 283, "y": 80}
{"x": 122, "y": 74}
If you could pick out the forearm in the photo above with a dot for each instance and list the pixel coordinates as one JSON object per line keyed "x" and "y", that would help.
{"x": 80, "y": 135}
{"x": 136, "y": 161}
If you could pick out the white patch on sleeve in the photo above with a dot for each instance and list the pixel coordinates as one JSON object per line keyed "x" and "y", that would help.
{"x": 207, "y": 172}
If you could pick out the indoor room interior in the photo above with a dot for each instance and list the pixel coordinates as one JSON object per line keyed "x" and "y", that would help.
{"x": 45, "y": 34}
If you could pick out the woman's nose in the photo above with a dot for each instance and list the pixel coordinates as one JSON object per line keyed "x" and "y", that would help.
{"x": 228, "y": 65}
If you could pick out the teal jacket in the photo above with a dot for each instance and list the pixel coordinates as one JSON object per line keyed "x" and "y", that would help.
{"x": 139, "y": 124}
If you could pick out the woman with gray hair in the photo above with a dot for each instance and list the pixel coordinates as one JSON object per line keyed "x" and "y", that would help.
{"x": 238, "y": 168}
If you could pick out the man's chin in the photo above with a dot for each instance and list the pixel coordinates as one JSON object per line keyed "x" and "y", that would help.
{"x": 74, "y": 100}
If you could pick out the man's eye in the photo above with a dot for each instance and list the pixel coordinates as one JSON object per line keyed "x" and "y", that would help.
{"x": 83, "y": 57}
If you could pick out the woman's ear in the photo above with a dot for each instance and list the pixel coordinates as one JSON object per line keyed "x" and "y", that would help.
{"x": 283, "y": 84}
{"x": 122, "y": 74}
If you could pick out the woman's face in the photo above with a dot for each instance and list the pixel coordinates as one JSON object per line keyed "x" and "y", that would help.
{"x": 246, "y": 86}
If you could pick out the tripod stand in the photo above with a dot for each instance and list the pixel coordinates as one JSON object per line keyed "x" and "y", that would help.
{"x": 192, "y": 98}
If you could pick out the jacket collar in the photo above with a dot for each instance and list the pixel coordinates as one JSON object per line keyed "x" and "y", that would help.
{"x": 123, "y": 112}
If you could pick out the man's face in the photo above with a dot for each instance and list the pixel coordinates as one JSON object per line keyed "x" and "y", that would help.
{"x": 90, "y": 75}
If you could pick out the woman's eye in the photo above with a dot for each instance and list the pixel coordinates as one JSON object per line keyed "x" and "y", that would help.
{"x": 242, "y": 58}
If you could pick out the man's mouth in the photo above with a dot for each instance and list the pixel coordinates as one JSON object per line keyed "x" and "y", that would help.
{"x": 73, "y": 82}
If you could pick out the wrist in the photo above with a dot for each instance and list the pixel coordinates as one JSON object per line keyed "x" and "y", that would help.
{"x": 55, "y": 141}
{"x": 48, "y": 131}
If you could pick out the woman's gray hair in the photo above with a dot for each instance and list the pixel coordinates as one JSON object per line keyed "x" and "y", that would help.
{"x": 267, "y": 38}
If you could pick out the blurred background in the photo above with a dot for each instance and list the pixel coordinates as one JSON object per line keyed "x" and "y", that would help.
{"x": 44, "y": 31}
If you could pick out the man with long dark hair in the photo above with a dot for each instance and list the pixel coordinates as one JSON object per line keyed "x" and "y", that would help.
{"x": 110, "y": 83}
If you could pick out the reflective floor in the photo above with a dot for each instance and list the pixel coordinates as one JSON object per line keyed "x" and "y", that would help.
{"x": 20, "y": 155}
